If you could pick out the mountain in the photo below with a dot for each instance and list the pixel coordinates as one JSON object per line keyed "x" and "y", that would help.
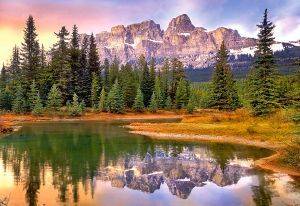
{"x": 194, "y": 46}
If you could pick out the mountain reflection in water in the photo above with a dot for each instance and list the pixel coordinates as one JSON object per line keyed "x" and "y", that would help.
{"x": 88, "y": 162}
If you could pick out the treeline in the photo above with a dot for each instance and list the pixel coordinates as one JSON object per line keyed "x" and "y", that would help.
{"x": 71, "y": 76}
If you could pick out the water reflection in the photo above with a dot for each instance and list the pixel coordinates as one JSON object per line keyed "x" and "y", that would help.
{"x": 69, "y": 161}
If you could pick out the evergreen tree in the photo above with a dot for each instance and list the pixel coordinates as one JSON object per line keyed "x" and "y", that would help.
{"x": 85, "y": 80}
{"x": 158, "y": 93}
{"x": 19, "y": 103}
{"x": 128, "y": 84}
{"x": 152, "y": 74}
{"x": 6, "y": 99}
{"x": 146, "y": 84}
{"x": 168, "y": 103}
{"x": 224, "y": 94}
{"x": 262, "y": 78}
{"x": 102, "y": 101}
{"x": 138, "y": 104}
{"x": 15, "y": 66}
{"x": 95, "y": 90}
{"x": 115, "y": 102}
{"x": 75, "y": 109}
{"x": 153, "y": 103}
{"x": 45, "y": 76}
{"x": 165, "y": 79}
{"x": 30, "y": 53}
{"x": 190, "y": 106}
{"x": 106, "y": 83}
{"x": 54, "y": 98}
{"x": 74, "y": 62}
{"x": 61, "y": 64}
{"x": 177, "y": 74}
{"x": 3, "y": 77}
{"x": 37, "y": 105}
{"x": 33, "y": 95}
{"x": 113, "y": 71}
{"x": 93, "y": 58}
{"x": 181, "y": 97}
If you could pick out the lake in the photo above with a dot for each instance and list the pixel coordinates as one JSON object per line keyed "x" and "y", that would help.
{"x": 96, "y": 163}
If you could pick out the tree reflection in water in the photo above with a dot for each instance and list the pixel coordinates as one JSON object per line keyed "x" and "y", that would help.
{"x": 80, "y": 153}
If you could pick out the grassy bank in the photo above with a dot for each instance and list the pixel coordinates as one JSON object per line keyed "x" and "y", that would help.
{"x": 278, "y": 131}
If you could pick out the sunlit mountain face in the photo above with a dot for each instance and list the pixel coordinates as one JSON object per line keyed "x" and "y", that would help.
{"x": 93, "y": 163}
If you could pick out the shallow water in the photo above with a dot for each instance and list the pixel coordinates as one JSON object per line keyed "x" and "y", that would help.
{"x": 94, "y": 163}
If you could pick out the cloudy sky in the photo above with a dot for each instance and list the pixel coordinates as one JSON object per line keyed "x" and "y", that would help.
{"x": 98, "y": 15}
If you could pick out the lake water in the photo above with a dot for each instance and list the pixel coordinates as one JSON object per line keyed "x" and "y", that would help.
{"x": 94, "y": 163}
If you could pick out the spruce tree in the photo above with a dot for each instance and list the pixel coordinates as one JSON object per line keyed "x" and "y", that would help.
{"x": 152, "y": 74}
{"x": 262, "y": 77}
{"x": 6, "y": 99}
{"x": 15, "y": 66}
{"x": 61, "y": 64}
{"x": 37, "y": 105}
{"x": 54, "y": 98}
{"x": 224, "y": 94}
{"x": 115, "y": 102}
{"x": 158, "y": 93}
{"x": 95, "y": 90}
{"x": 138, "y": 104}
{"x": 181, "y": 96}
{"x": 190, "y": 106}
{"x": 113, "y": 71}
{"x": 74, "y": 62}
{"x": 177, "y": 74}
{"x": 168, "y": 103}
{"x": 33, "y": 95}
{"x": 30, "y": 53}
{"x": 85, "y": 78}
{"x": 128, "y": 84}
{"x": 146, "y": 84}
{"x": 106, "y": 83}
{"x": 19, "y": 102}
{"x": 165, "y": 79}
{"x": 3, "y": 77}
{"x": 93, "y": 58}
{"x": 153, "y": 103}
{"x": 75, "y": 109}
{"x": 102, "y": 101}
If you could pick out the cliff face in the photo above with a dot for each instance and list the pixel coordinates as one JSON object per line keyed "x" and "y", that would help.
{"x": 192, "y": 45}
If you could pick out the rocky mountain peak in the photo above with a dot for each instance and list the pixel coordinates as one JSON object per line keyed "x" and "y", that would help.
{"x": 180, "y": 24}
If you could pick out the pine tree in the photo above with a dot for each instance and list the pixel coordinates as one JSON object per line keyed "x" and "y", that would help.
{"x": 152, "y": 74}
{"x": 113, "y": 71}
{"x": 74, "y": 62}
{"x": 146, "y": 86}
{"x": 75, "y": 109}
{"x": 165, "y": 79}
{"x": 224, "y": 94}
{"x": 106, "y": 83}
{"x": 138, "y": 104}
{"x": 37, "y": 105}
{"x": 93, "y": 58}
{"x": 30, "y": 53}
{"x": 61, "y": 64}
{"x": 190, "y": 106}
{"x": 181, "y": 97}
{"x": 153, "y": 104}
{"x": 85, "y": 79}
{"x": 54, "y": 98}
{"x": 262, "y": 78}
{"x": 177, "y": 74}
{"x": 168, "y": 103}
{"x": 33, "y": 95}
{"x": 158, "y": 93}
{"x": 3, "y": 77}
{"x": 115, "y": 102}
{"x": 6, "y": 99}
{"x": 102, "y": 101}
{"x": 19, "y": 102}
{"x": 128, "y": 84}
{"x": 15, "y": 66}
{"x": 95, "y": 90}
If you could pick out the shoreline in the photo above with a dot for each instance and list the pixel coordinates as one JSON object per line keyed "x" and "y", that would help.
{"x": 268, "y": 163}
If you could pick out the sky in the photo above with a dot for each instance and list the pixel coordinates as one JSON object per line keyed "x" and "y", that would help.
{"x": 99, "y": 15}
